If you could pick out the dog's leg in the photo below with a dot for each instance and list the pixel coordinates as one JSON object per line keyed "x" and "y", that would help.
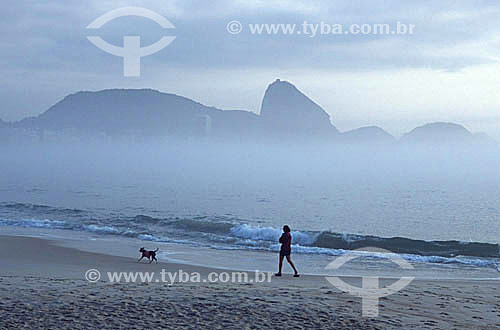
{"x": 140, "y": 258}
{"x": 155, "y": 259}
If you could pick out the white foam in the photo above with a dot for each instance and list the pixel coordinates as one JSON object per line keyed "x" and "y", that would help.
{"x": 34, "y": 223}
{"x": 101, "y": 229}
{"x": 147, "y": 237}
{"x": 269, "y": 234}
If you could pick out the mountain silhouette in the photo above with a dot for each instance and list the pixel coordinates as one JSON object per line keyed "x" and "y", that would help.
{"x": 438, "y": 133}
{"x": 143, "y": 112}
{"x": 368, "y": 135}
{"x": 287, "y": 111}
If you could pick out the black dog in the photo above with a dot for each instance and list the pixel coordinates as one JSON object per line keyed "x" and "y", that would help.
{"x": 151, "y": 255}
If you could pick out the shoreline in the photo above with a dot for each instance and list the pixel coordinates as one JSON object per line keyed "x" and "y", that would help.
{"x": 50, "y": 277}
{"x": 248, "y": 260}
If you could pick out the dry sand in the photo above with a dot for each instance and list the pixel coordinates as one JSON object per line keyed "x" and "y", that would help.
{"x": 43, "y": 285}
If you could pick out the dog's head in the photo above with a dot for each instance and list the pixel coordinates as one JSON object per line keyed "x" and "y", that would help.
{"x": 141, "y": 249}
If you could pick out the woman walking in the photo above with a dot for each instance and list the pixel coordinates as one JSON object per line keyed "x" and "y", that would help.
{"x": 286, "y": 250}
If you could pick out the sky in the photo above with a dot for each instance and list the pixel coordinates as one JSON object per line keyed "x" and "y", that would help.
{"x": 446, "y": 70}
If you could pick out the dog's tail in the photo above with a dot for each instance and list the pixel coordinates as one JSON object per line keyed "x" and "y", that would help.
{"x": 157, "y": 249}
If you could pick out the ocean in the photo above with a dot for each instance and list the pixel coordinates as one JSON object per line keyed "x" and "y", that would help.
{"x": 225, "y": 206}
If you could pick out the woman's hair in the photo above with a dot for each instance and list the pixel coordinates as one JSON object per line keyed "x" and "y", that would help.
{"x": 286, "y": 229}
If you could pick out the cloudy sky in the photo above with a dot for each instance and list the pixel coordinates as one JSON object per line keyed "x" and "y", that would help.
{"x": 447, "y": 70}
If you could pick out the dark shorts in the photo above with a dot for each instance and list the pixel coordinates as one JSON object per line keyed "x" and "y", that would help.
{"x": 285, "y": 253}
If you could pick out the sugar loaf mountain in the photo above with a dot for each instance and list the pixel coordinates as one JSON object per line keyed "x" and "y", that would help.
{"x": 286, "y": 114}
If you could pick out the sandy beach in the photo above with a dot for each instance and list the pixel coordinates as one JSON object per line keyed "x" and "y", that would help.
{"x": 43, "y": 285}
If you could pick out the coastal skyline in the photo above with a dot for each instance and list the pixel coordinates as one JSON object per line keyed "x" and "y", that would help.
{"x": 286, "y": 114}
{"x": 441, "y": 72}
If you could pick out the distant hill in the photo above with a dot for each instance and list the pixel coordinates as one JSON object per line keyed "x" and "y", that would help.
{"x": 140, "y": 111}
{"x": 368, "y": 135}
{"x": 451, "y": 134}
{"x": 286, "y": 110}
{"x": 438, "y": 133}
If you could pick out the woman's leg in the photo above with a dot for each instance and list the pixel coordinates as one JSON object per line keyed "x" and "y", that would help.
{"x": 281, "y": 263}
{"x": 291, "y": 264}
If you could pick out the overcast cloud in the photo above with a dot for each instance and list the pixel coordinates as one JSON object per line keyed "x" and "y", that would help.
{"x": 447, "y": 70}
